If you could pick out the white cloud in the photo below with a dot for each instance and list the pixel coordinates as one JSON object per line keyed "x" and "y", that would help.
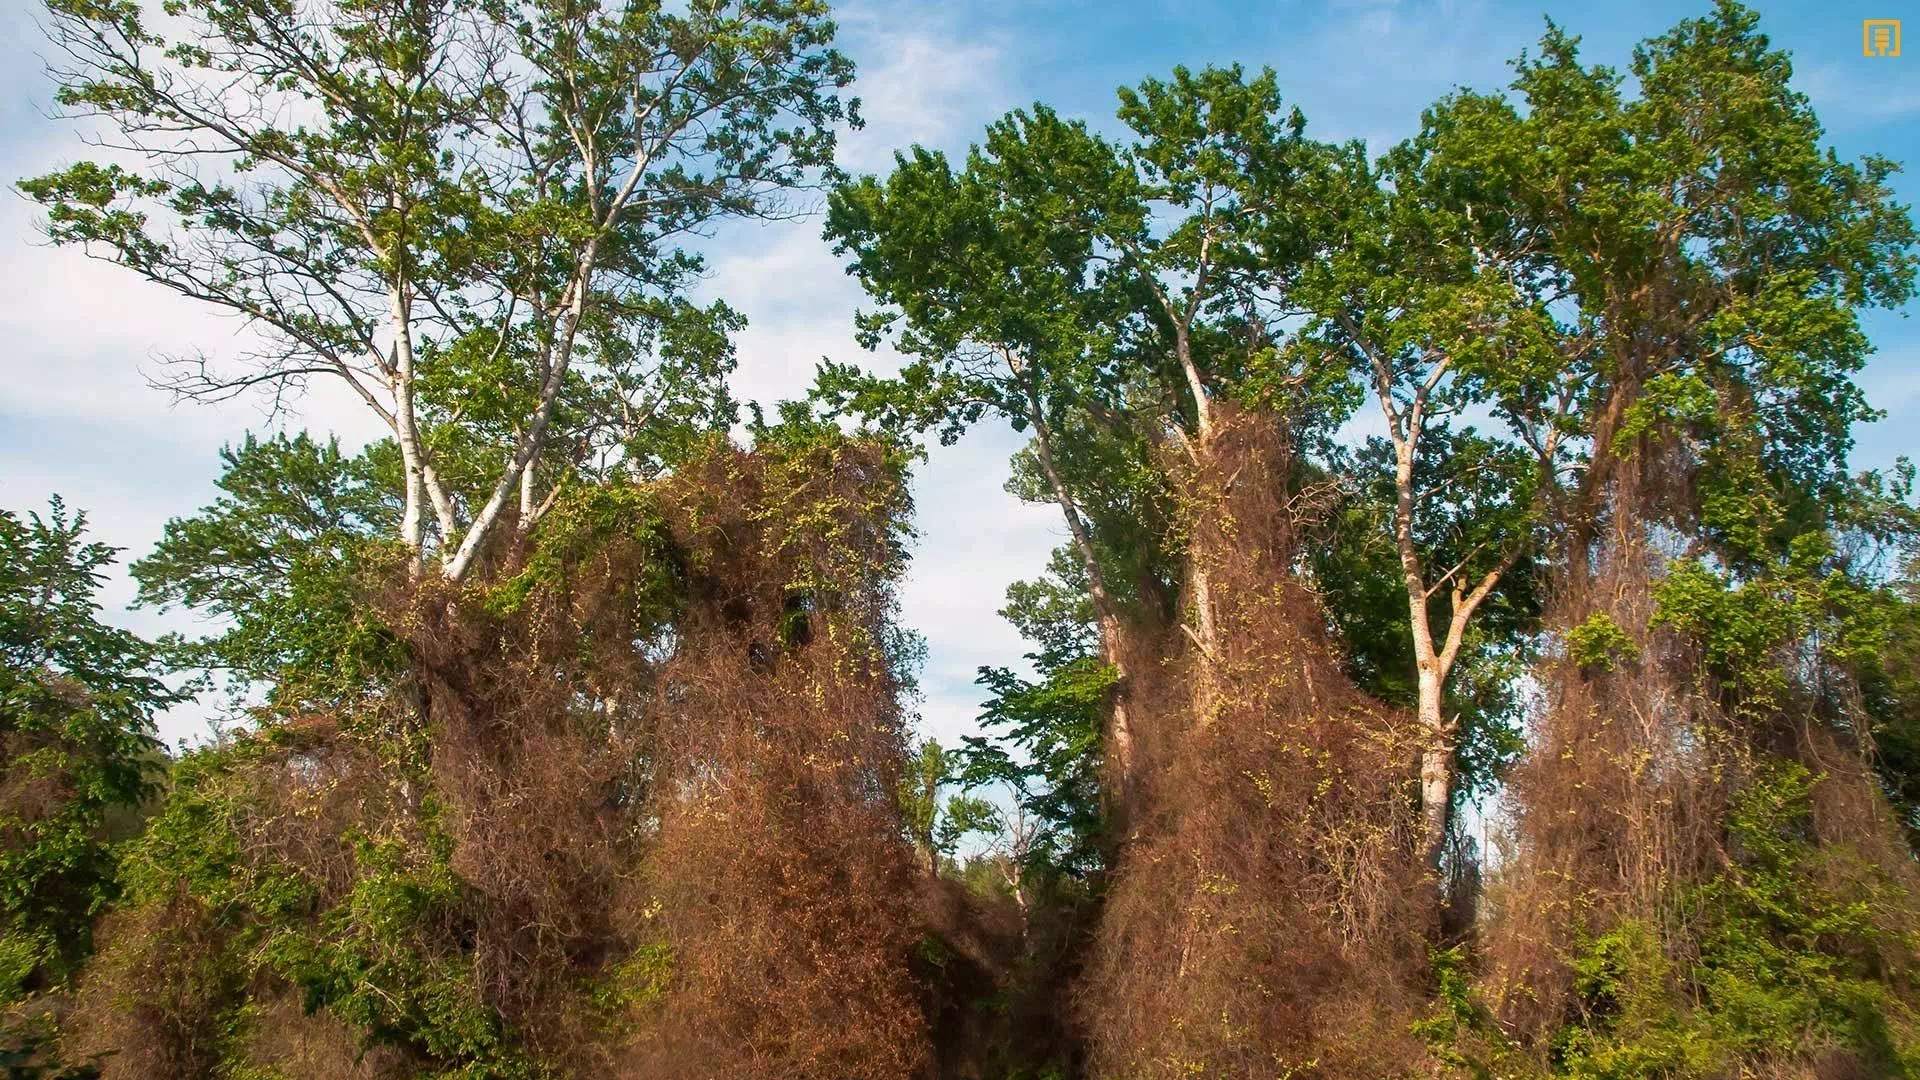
{"x": 1892, "y": 384}
{"x": 79, "y": 418}
{"x": 928, "y": 88}
{"x": 975, "y": 540}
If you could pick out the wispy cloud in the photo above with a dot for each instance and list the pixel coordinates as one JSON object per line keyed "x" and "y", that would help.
{"x": 924, "y": 78}
{"x": 1861, "y": 92}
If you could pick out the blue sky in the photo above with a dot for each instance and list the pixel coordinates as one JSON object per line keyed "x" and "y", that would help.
{"x": 77, "y": 418}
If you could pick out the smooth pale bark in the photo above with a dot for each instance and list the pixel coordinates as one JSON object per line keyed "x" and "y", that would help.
{"x": 1183, "y": 348}
{"x": 1112, "y": 648}
{"x": 1013, "y": 858}
{"x": 406, "y": 430}
{"x": 1433, "y": 660}
{"x": 437, "y": 495}
{"x": 525, "y": 517}
{"x": 1201, "y": 453}
{"x": 1436, "y": 757}
{"x": 1436, "y": 772}
{"x": 1205, "y": 639}
{"x": 284, "y": 268}
{"x": 555, "y": 361}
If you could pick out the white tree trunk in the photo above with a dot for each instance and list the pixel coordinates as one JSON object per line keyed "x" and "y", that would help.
{"x": 1436, "y": 768}
{"x": 406, "y": 429}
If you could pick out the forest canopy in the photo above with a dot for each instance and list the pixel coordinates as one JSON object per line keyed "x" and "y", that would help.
{"x": 577, "y": 710}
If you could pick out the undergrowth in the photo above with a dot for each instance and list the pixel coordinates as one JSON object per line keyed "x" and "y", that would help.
{"x": 1802, "y": 965}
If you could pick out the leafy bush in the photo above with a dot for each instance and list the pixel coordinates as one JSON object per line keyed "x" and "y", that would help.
{"x": 1601, "y": 643}
{"x": 77, "y": 699}
{"x": 1795, "y": 951}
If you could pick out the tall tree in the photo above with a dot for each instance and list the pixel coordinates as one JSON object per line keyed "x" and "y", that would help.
{"x": 988, "y": 276}
{"x": 471, "y": 214}
{"x": 1705, "y": 261}
{"x": 1104, "y": 295}
{"x": 1891, "y": 689}
{"x": 1042, "y": 747}
{"x": 1463, "y": 522}
{"x": 1425, "y": 292}
{"x": 1705, "y": 256}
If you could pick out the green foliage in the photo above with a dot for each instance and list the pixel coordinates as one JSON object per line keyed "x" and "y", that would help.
{"x": 1087, "y": 291}
{"x": 1118, "y": 485}
{"x": 936, "y": 826}
{"x": 377, "y": 957}
{"x": 1601, "y": 643}
{"x": 77, "y": 699}
{"x": 1890, "y": 689}
{"x": 862, "y": 527}
{"x": 1744, "y": 623}
{"x": 288, "y": 556}
{"x": 638, "y": 983}
{"x": 378, "y": 963}
{"x": 1460, "y": 1032}
{"x": 1793, "y": 943}
{"x": 1626, "y": 985}
{"x": 1797, "y": 948}
{"x": 1054, "y": 612}
{"x": 1472, "y": 490}
{"x": 196, "y": 842}
{"x": 1043, "y": 744}
{"x": 1709, "y": 174}
{"x": 1696, "y": 263}
{"x": 582, "y": 523}
{"x": 1649, "y": 288}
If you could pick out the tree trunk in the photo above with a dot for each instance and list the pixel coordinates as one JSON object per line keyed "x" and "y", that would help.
{"x": 533, "y": 440}
{"x": 406, "y": 429}
{"x": 1205, "y": 634}
{"x": 1197, "y": 386}
{"x": 1206, "y": 638}
{"x": 1436, "y": 770}
{"x": 1120, "y": 731}
{"x": 526, "y": 499}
